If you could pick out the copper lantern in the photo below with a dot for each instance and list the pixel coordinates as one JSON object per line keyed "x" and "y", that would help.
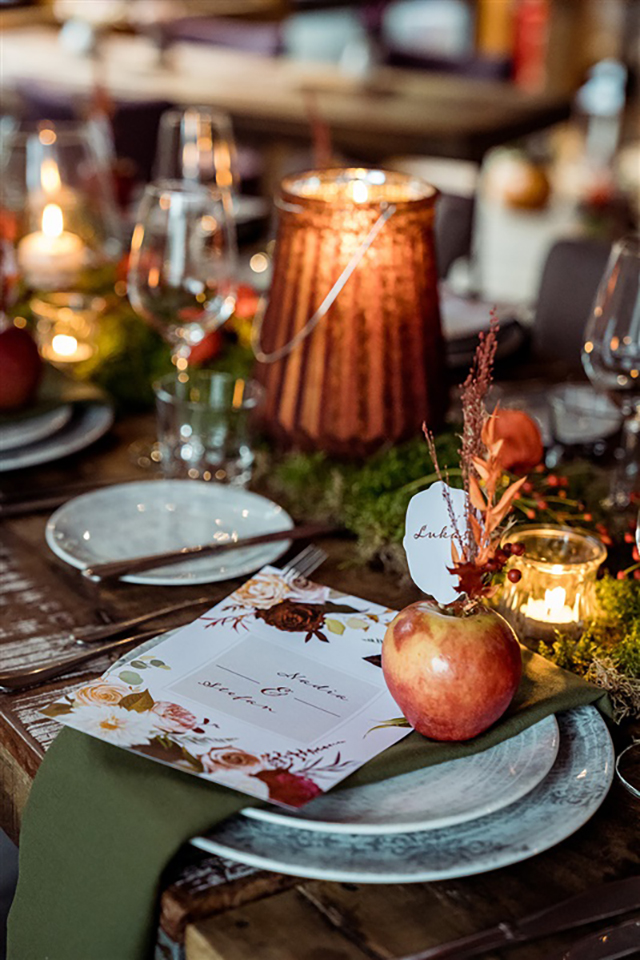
{"x": 350, "y": 348}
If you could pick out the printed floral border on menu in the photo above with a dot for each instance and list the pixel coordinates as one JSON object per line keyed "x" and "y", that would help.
{"x": 276, "y": 692}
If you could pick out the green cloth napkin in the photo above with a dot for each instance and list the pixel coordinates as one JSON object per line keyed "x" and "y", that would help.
{"x": 56, "y": 389}
{"x": 102, "y": 823}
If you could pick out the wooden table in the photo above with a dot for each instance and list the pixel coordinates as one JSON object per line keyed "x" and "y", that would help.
{"x": 394, "y": 111}
{"x": 213, "y": 908}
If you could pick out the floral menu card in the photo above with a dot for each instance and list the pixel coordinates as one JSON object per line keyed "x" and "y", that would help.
{"x": 276, "y": 691}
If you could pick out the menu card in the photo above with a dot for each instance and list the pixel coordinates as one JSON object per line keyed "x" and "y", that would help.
{"x": 276, "y": 691}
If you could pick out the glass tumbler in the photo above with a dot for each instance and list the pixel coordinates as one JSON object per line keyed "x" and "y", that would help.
{"x": 204, "y": 426}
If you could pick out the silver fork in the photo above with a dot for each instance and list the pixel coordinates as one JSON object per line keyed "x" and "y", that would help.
{"x": 301, "y": 565}
{"x": 304, "y": 564}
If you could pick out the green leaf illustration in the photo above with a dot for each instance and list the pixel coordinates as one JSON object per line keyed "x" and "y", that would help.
{"x": 330, "y": 607}
{"x": 334, "y": 626}
{"x": 57, "y": 709}
{"x": 396, "y": 722}
{"x": 158, "y": 663}
{"x": 356, "y": 624}
{"x": 140, "y": 701}
{"x": 138, "y": 663}
{"x": 128, "y": 676}
{"x": 195, "y": 763}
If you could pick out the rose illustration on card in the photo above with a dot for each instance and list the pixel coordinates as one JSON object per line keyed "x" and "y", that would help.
{"x": 429, "y": 531}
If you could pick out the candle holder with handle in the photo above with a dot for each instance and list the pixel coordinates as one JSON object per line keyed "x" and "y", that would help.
{"x": 350, "y": 347}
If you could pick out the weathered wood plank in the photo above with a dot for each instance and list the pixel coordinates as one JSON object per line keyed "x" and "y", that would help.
{"x": 285, "y": 927}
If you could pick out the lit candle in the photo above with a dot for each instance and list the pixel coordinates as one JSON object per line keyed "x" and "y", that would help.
{"x": 65, "y": 348}
{"x": 51, "y": 256}
{"x": 552, "y": 609}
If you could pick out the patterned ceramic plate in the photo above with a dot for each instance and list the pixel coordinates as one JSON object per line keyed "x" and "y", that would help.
{"x": 437, "y": 796}
{"x": 153, "y": 516}
{"x": 26, "y": 430}
{"x": 87, "y": 425}
{"x": 556, "y": 808}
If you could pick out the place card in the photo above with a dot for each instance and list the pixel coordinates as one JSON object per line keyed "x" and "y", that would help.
{"x": 429, "y": 532}
{"x": 276, "y": 691}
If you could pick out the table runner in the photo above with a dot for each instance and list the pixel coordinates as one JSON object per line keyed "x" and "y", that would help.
{"x": 102, "y": 823}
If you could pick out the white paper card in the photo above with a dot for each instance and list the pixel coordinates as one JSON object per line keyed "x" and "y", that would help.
{"x": 428, "y": 536}
{"x": 276, "y": 691}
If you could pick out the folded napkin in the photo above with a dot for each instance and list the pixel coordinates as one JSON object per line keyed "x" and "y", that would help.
{"x": 56, "y": 389}
{"x": 101, "y": 824}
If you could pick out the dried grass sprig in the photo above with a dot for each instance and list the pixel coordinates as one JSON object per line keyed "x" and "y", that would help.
{"x": 476, "y": 552}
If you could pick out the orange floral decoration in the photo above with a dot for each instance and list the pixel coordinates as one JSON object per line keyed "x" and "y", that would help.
{"x": 522, "y": 447}
{"x": 487, "y": 445}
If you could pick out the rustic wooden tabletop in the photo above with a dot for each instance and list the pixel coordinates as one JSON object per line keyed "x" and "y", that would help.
{"x": 212, "y": 908}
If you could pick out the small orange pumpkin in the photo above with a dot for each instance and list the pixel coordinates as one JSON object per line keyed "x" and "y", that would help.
{"x": 521, "y": 448}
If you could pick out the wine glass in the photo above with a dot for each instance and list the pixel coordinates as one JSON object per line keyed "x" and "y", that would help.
{"x": 181, "y": 278}
{"x": 197, "y": 145}
{"x": 183, "y": 262}
{"x": 611, "y": 357}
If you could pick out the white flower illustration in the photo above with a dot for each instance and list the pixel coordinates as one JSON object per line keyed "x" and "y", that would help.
{"x": 262, "y": 591}
{"x": 126, "y": 728}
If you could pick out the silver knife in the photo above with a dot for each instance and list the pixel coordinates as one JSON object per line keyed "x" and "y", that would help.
{"x": 609, "y": 944}
{"x": 594, "y": 904}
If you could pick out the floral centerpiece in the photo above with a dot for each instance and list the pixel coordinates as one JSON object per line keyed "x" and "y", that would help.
{"x": 453, "y": 668}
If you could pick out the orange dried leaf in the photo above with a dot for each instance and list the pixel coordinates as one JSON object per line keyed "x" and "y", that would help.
{"x": 481, "y": 467}
{"x": 475, "y": 495}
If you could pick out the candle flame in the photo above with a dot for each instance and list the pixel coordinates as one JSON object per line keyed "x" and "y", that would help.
{"x": 359, "y": 191}
{"x": 52, "y": 223}
{"x": 50, "y": 176}
{"x": 554, "y": 600}
{"x": 64, "y": 345}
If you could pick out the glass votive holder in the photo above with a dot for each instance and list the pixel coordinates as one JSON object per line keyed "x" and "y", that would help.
{"x": 556, "y": 591}
{"x": 204, "y": 426}
{"x": 67, "y": 327}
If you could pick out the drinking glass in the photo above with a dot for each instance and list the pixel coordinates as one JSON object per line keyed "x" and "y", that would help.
{"x": 197, "y": 145}
{"x": 183, "y": 263}
{"x": 204, "y": 427}
{"x": 611, "y": 357}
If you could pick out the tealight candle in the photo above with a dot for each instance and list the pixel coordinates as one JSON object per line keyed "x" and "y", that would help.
{"x": 65, "y": 348}
{"x": 51, "y": 256}
{"x": 556, "y": 590}
{"x": 67, "y": 327}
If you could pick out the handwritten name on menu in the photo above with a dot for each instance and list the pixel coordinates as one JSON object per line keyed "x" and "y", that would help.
{"x": 285, "y": 692}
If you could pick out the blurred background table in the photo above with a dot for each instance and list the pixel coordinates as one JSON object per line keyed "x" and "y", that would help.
{"x": 267, "y": 97}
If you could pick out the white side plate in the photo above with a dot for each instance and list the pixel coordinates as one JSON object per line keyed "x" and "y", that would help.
{"x": 151, "y": 516}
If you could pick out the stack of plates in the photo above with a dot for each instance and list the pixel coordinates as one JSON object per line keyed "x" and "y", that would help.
{"x": 42, "y": 435}
{"x": 459, "y": 818}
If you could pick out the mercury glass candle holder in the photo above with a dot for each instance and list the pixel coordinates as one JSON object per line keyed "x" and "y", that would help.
{"x": 557, "y": 589}
{"x": 355, "y": 252}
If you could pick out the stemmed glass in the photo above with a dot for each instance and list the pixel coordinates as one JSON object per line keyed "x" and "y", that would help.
{"x": 197, "y": 145}
{"x": 183, "y": 263}
{"x": 182, "y": 271}
{"x": 611, "y": 357}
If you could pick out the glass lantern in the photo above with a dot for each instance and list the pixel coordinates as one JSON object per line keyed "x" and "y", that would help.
{"x": 56, "y": 203}
{"x": 556, "y": 592}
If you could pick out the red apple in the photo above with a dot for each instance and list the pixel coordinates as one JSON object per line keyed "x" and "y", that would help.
{"x": 451, "y": 674}
{"x": 20, "y": 368}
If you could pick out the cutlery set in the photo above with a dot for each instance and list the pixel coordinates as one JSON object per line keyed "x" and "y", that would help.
{"x": 600, "y": 903}
{"x": 91, "y": 637}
